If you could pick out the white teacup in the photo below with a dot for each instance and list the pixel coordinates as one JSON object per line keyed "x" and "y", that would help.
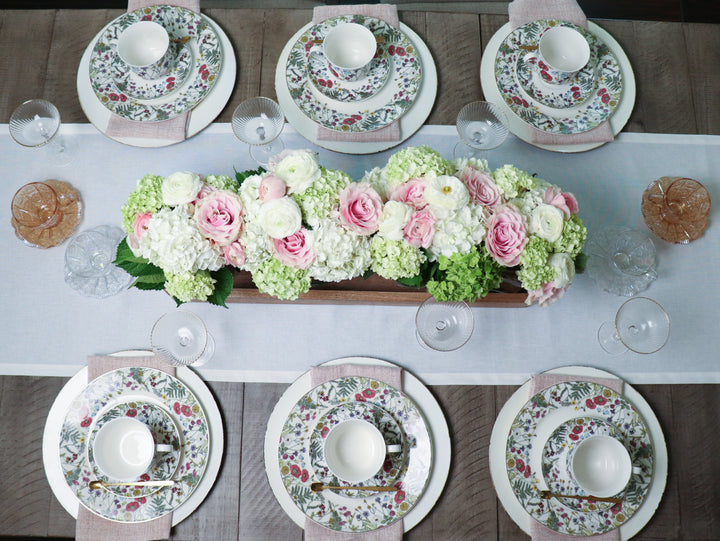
{"x": 562, "y": 52}
{"x": 349, "y": 48}
{"x": 124, "y": 448}
{"x": 355, "y": 450}
{"x": 601, "y": 465}
{"x": 145, "y": 47}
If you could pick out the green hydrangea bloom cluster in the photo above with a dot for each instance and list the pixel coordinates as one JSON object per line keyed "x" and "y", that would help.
{"x": 146, "y": 197}
{"x": 573, "y": 237}
{"x": 279, "y": 280}
{"x": 535, "y": 270}
{"x": 319, "y": 199}
{"x": 222, "y": 182}
{"x": 393, "y": 259}
{"x": 188, "y": 286}
{"x": 415, "y": 162}
{"x": 465, "y": 277}
{"x": 511, "y": 181}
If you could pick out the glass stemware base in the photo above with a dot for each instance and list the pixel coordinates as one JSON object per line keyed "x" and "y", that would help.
{"x": 443, "y": 326}
{"x": 641, "y": 325}
{"x": 180, "y": 338}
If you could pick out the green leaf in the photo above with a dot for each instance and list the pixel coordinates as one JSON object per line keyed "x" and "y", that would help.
{"x": 241, "y": 176}
{"x": 580, "y": 263}
{"x": 223, "y": 286}
{"x": 413, "y": 281}
{"x": 132, "y": 264}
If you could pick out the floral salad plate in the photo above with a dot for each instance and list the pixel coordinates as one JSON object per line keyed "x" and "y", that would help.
{"x": 381, "y": 106}
{"x": 112, "y": 394}
{"x": 298, "y": 451}
{"x": 542, "y": 427}
{"x": 585, "y": 102}
{"x": 198, "y": 63}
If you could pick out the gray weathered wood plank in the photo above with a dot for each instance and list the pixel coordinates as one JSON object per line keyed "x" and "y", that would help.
{"x": 703, "y": 58}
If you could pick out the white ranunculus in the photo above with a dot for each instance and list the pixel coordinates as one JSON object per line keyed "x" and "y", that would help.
{"x": 445, "y": 193}
{"x": 280, "y": 218}
{"x": 563, "y": 269}
{"x": 394, "y": 217}
{"x": 299, "y": 169}
{"x": 547, "y": 222}
{"x": 249, "y": 195}
{"x": 180, "y": 188}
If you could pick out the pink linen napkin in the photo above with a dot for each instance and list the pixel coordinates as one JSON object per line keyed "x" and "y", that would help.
{"x": 174, "y": 129}
{"x": 91, "y": 527}
{"x": 392, "y": 375}
{"x": 384, "y": 12}
{"x": 524, "y": 11}
{"x": 538, "y": 382}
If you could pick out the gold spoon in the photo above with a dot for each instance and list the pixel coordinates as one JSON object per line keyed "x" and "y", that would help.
{"x": 545, "y": 494}
{"x": 100, "y": 484}
{"x": 319, "y": 487}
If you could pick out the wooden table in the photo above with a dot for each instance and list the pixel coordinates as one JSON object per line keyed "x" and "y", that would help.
{"x": 677, "y": 68}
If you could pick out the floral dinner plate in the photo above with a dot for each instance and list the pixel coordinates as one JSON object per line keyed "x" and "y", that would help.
{"x": 334, "y": 510}
{"x": 127, "y": 385}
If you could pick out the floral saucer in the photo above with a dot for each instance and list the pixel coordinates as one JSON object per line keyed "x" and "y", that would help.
{"x": 128, "y": 385}
{"x": 394, "y": 464}
{"x": 203, "y": 66}
{"x": 379, "y": 110}
{"x": 557, "y": 112}
{"x": 164, "y": 430}
{"x": 559, "y": 96}
{"x": 539, "y": 418}
{"x": 339, "y": 511}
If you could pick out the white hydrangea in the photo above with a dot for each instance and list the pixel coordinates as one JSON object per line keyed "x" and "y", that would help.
{"x": 339, "y": 254}
{"x": 249, "y": 195}
{"x": 377, "y": 180}
{"x": 530, "y": 199}
{"x": 458, "y": 232}
{"x": 258, "y": 245}
{"x": 461, "y": 163}
{"x": 563, "y": 268}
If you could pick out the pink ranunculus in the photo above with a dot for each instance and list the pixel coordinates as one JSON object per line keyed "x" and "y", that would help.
{"x": 545, "y": 294}
{"x": 410, "y": 193}
{"x": 420, "y": 229}
{"x": 296, "y": 250}
{"x": 271, "y": 187}
{"x": 360, "y": 208}
{"x": 482, "y": 188}
{"x": 140, "y": 225}
{"x": 506, "y": 235}
{"x": 220, "y": 216}
{"x": 565, "y": 201}
{"x": 234, "y": 254}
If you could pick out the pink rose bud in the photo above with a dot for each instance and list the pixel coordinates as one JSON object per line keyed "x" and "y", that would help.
{"x": 565, "y": 201}
{"x": 271, "y": 187}
{"x": 360, "y": 208}
{"x": 234, "y": 254}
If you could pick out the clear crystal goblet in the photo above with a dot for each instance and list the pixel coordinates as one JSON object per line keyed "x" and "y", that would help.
{"x": 641, "y": 325}
{"x": 180, "y": 338}
{"x": 443, "y": 326}
{"x": 481, "y": 126}
{"x": 259, "y": 122}
{"x": 36, "y": 123}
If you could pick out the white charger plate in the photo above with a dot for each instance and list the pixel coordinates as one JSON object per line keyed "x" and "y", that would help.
{"x": 54, "y": 423}
{"x": 415, "y": 390}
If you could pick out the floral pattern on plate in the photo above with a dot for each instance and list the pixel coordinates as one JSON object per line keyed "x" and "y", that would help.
{"x": 325, "y": 79}
{"x": 124, "y": 385}
{"x": 184, "y": 26}
{"x": 553, "y": 115}
{"x": 582, "y": 399}
{"x": 560, "y": 96}
{"x": 375, "y": 415}
{"x": 338, "y": 511}
{"x": 163, "y": 429}
{"x": 134, "y": 86}
{"x": 383, "y": 108}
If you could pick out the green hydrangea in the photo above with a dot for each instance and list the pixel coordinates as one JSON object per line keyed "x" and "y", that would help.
{"x": 146, "y": 197}
{"x": 511, "y": 181}
{"x": 393, "y": 259}
{"x": 279, "y": 280}
{"x": 465, "y": 277}
{"x": 222, "y": 182}
{"x": 573, "y": 237}
{"x": 318, "y": 200}
{"x": 188, "y": 286}
{"x": 535, "y": 270}
{"x": 415, "y": 162}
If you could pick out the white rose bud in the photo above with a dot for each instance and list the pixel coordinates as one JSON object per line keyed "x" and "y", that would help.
{"x": 394, "y": 217}
{"x": 446, "y": 193}
{"x": 280, "y": 218}
{"x": 547, "y": 222}
{"x": 180, "y": 188}
{"x": 299, "y": 169}
{"x": 563, "y": 269}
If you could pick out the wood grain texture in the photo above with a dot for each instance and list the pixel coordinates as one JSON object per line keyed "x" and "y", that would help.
{"x": 702, "y": 42}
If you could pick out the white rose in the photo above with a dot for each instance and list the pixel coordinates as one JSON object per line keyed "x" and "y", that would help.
{"x": 394, "y": 217}
{"x": 563, "y": 269}
{"x": 445, "y": 193}
{"x": 299, "y": 169}
{"x": 280, "y": 218}
{"x": 547, "y": 222}
{"x": 180, "y": 188}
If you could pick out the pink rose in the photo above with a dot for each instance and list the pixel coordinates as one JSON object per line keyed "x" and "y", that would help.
{"x": 205, "y": 190}
{"x": 506, "y": 235}
{"x": 482, "y": 188}
{"x": 234, "y": 254}
{"x": 220, "y": 216}
{"x": 545, "y": 294}
{"x": 295, "y": 250}
{"x": 565, "y": 201}
{"x": 410, "y": 193}
{"x": 420, "y": 229}
{"x": 271, "y": 187}
{"x": 360, "y": 208}
{"x": 140, "y": 225}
